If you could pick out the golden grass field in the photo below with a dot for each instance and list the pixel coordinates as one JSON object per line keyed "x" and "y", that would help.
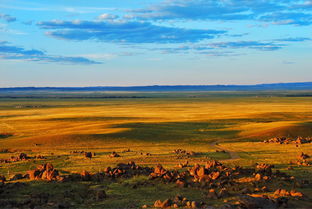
{"x": 54, "y": 127}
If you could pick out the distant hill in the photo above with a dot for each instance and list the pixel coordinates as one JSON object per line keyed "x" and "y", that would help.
{"x": 173, "y": 88}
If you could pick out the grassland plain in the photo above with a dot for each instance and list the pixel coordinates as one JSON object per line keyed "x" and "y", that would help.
{"x": 156, "y": 123}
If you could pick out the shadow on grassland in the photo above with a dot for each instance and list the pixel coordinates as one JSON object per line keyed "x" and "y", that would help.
{"x": 213, "y": 130}
{"x": 173, "y": 131}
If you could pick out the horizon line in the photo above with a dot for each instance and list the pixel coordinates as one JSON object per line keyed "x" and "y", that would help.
{"x": 157, "y": 85}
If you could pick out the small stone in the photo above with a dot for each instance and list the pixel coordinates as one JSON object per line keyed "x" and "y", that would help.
{"x": 158, "y": 204}
{"x": 167, "y": 203}
{"x": 258, "y": 177}
{"x": 194, "y": 204}
{"x": 294, "y": 193}
{"x": 175, "y": 205}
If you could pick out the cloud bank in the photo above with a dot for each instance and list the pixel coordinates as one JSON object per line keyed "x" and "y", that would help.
{"x": 274, "y": 11}
{"x": 10, "y": 52}
{"x": 125, "y": 32}
{"x": 7, "y": 17}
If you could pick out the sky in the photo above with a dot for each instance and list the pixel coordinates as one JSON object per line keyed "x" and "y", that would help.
{"x": 154, "y": 42}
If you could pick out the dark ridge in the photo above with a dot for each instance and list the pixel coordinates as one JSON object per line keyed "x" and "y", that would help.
{"x": 173, "y": 88}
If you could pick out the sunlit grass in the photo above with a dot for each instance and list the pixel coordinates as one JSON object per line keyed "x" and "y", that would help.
{"x": 54, "y": 128}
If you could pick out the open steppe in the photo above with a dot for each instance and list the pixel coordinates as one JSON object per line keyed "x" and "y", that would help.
{"x": 145, "y": 128}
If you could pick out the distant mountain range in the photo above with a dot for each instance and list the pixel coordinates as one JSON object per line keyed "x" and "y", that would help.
{"x": 173, "y": 88}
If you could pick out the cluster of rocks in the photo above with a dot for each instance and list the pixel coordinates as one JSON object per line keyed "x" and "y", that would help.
{"x": 285, "y": 193}
{"x": 124, "y": 170}
{"x": 182, "y": 165}
{"x": 147, "y": 153}
{"x": 169, "y": 176}
{"x": 287, "y": 140}
{"x": 48, "y": 173}
{"x": 278, "y": 200}
{"x": 177, "y": 202}
{"x": 303, "y": 159}
{"x": 183, "y": 152}
{"x": 222, "y": 181}
{"x": 114, "y": 154}
{"x": 86, "y": 154}
{"x": 263, "y": 171}
{"x": 211, "y": 171}
{"x": 218, "y": 180}
{"x": 127, "y": 170}
{"x": 44, "y": 172}
{"x": 20, "y": 157}
{"x": 211, "y": 175}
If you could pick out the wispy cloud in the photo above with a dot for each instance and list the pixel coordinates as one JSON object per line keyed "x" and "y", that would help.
{"x": 210, "y": 48}
{"x": 107, "y": 16}
{"x": 295, "y": 39}
{"x": 220, "y": 53}
{"x": 100, "y": 56}
{"x": 277, "y": 11}
{"x": 125, "y": 32}
{"x": 43, "y": 7}
{"x": 11, "y": 52}
{"x": 288, "y": 18}
{"x": 264, "y": 46}
{"x": 306, "y": 5}
{"x": 7, "y": 17}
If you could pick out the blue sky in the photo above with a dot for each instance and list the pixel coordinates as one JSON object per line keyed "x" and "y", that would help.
{"x": 154, "y": 42}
